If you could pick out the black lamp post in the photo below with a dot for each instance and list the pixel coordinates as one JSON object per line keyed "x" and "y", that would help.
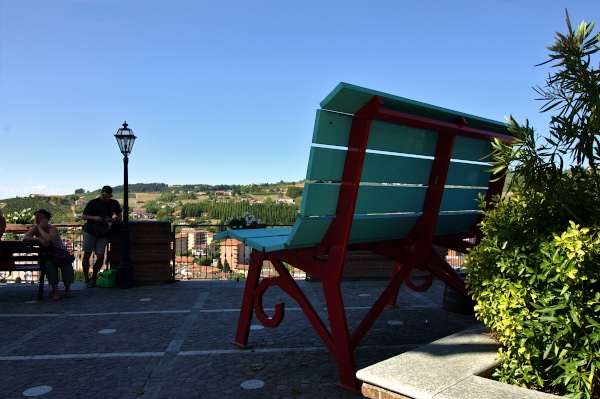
{"x": 125, "y": 139}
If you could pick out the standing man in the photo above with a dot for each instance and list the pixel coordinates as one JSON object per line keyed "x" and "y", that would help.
{"x": 98, "y": 213}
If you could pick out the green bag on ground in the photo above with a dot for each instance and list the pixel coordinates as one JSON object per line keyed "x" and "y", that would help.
{"x": 106, "y": 279}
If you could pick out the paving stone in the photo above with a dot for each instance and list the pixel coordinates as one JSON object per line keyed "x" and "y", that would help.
{"x": 173, "y": 341}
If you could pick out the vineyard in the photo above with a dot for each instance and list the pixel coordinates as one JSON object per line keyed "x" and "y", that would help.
{"x": 196, "y": 203}
{"x": 269, "y": 213}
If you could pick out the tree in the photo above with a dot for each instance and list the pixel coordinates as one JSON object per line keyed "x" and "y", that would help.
{"x": 226, "y": 267}
{"x": 205, "y": 261}
{"x": 534, "y": 275}
{"x": 293, "y": 191}
{"x": 167, "y": 197}
{"x": 152, "y": 207}
{"x": 573, "y": 91}
{"x": 187, "y": 196}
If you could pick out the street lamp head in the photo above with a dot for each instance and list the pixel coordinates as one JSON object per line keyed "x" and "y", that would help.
{"x": 125, "y": 139}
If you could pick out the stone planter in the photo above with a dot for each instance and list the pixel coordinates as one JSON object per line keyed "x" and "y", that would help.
{"x": 453, "y": 367}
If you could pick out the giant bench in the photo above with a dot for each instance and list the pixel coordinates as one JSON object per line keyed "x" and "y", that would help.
{"x": 387, "y": 175}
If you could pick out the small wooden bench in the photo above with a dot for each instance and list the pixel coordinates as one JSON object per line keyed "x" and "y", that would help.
{"x": 385, "y": 174}
{"x": 19, "y": 256}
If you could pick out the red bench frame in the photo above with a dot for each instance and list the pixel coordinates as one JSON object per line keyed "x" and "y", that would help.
{"x": 326, "y": 261}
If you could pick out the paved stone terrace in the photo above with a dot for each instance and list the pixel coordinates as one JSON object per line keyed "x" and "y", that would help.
{"x": 173, "y": 341}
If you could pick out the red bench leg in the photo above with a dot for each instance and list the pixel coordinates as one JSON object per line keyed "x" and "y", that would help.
{"x": 342, "y": 350}
{"x": 243, "y": 328}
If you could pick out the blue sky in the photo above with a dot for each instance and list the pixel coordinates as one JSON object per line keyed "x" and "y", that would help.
{"x": 225, "y": 92}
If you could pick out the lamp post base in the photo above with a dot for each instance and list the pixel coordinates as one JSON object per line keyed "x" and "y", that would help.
{"x": 125, "y": 275}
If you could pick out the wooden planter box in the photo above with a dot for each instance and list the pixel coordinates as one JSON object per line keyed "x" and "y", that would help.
{"x": 150, "y": 251}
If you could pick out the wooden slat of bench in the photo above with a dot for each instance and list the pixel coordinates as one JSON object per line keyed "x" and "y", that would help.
{"x": 468, "y": 174}
{"x": 455, "y": 222}
{"x": 371, "y": 228}
{"x": 334, "y": 129}
{"x": 306, "y": 232}
{"x": 470, "y": 149}
{"x": 260, "y": 239}
{"x": 319, "y": 199}
{"x": 461, "y": 198}
{"x": 348, "y": 98}
{"x": 244, "y": 234}
{"x": 29, "y": 267}
{"x": 386, "y": 168}
{"x": 327, "y": 164}
{"x": 309, "y": 232}
{"x": 22, "y": 257}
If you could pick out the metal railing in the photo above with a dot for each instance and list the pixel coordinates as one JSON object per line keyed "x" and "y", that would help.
{"x": 71, "y": 234}
{"x": 197, "y": 257}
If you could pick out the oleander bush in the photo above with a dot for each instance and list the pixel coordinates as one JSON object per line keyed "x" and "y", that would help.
{"x": 535, "y": 280}
{"x": 535, "y": 276}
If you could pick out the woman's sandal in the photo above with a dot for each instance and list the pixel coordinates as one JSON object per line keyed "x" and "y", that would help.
{"x": 68, "y": 294}
{"x": 56, "y": 296}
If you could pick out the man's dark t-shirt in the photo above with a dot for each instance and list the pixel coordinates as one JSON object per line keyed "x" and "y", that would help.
{"x": 98, "y": 208}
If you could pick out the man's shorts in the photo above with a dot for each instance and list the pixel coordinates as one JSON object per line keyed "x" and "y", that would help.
{"x": 93, "y": 243}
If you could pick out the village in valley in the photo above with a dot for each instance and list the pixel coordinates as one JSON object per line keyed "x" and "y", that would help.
{"x": 195, "y": 214}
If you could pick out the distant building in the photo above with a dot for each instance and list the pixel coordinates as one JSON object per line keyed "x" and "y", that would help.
{"x": 233, "y": 251}
{"x": 198, "y": 239}
{"x": 238, "y": 257}
{"x": 181, "y": 243}
{"x": 141, "y": 213}
{"x": 285, "y": 200}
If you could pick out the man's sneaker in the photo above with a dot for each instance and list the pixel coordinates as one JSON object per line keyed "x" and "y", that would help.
{"x": 91, "y": 284}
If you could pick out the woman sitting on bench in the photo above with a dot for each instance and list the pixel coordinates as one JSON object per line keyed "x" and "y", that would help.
{"x": 47, "y": 235}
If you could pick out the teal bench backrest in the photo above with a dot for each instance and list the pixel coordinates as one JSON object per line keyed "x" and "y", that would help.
{"x": 396, "y": 172}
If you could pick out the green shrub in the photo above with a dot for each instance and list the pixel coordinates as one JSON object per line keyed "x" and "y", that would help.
{"x": 236, "y": 276}
{"x": 535, "y": 275}
{"x": 78, "y": 276}
{"x": 538, "y": 293}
